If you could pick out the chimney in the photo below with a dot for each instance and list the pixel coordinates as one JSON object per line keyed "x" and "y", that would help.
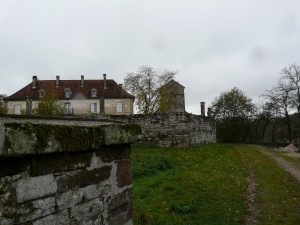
{"x": 209, "y": 112}
{"x": 57, "y": 81}
{"x": 104, "y": 80}
{"x": 202, "y": 108}
{"x": 34, "y": 82}
{"x": 82, "y": 81}
{"x": 121, "y": 85}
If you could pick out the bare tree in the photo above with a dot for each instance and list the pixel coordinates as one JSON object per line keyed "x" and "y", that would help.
{"x": 291, "y": 76}
{"x": 145, "y": 85}
{"x": 280, "y": 98}
{"x": 266, "y": 111}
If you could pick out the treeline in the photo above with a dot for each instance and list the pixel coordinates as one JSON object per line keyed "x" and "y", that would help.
{"x": 276, "y": 118}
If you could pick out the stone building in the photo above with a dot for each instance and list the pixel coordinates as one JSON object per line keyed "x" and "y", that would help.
{"x": 77, "y": 97}
{"x": 172, "y": 97}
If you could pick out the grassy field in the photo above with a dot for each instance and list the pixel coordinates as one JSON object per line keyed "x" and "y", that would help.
{"x": 207, "y": 185}
{"x": 200, "y": 185}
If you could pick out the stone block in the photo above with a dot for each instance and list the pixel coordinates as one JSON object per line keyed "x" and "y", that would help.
{"x": 69, "y": 199}
{"x": 19, "y": 139}
{"x": 124, "y": 173}
{"x": 35, "y": 187}
{"x": 82, "y": 178}
{"x": 120, "y": 208}
{"x": 87, "y": 213}
{"x": 56, "y": 219}
{"x": 111, "y": 153}
{"x": 38, "y": 209}
{"x": 59, "y": 162}
{"x": 96, "y": 191}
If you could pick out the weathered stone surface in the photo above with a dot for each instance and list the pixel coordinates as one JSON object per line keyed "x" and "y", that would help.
{"x": 56, "y": 219}
{"x": 69, "y": 199}
{"x": 87, "y": 213}
{"x": 5, "y": 221}
{"x": 57, "y": 179}
{"x": 110, "y": 153}
{"x": 33, "y": 138}
{"x": 174, "y": 129}
{"x": 2, "y": 138}
{"x": 124, "y": 173}
{"x": 83, "y": 178}
{"x": 59, "y": 162}
{"x": 128, "y": 223}
{"x": 35, "y": 187}
{"x": 95, "y": 191}
{"x": 38, "y": 209}
{"x": 120, "y": 208}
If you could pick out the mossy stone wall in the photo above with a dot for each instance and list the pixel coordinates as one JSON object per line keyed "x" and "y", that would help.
{"x": 173, "y": 129}
{"x": 65, "y": 172}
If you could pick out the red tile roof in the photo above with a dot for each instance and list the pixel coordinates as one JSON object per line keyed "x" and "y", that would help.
{"x": 113, "y": 90}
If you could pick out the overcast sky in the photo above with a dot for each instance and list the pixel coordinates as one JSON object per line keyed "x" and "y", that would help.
{"x": 214, "y": 45}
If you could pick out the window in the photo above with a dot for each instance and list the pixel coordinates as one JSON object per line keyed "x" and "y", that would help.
{"x": 41, "y": 93}
{"x": 17, "y": 109}
{"x": 119, "y": 107}
{"x": 93, "y": 107}
{"x": 94, "y": 92}
{"x": 68, "y": 93}
{"x": 67, "y": 108}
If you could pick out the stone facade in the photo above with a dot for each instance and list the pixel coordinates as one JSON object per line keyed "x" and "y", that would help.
{"x": 174, "y": 129}
{"x": 65, "y": 171}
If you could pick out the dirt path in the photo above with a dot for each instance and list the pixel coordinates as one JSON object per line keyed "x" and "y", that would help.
{"x": 253, "y": 211}
{"x": 293, "y": 170}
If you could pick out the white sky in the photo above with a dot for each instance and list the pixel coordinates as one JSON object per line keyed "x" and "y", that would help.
{"x": 213, "y": 44}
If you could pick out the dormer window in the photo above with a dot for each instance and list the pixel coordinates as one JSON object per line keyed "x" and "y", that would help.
{"x": 68, "y": 93}
{"x": 94, "y": 92}
{"x": 41, "y": 93}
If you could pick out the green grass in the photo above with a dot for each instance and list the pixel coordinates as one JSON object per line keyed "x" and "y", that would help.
{"x": 200, "y": 185}
{"x": 278, "y": 192}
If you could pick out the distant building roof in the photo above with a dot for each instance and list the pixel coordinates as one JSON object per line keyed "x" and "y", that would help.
{"x": 112, "y": 90}
{"x": 173, "y": 82}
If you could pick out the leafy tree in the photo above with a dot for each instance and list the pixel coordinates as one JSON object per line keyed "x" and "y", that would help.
{"x": 49, "y": 105}
{"x": 145, "y": 86}
{"x": 3, "y": 108}
{"x": 233, "y": 112}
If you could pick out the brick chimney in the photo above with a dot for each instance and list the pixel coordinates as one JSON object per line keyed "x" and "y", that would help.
{"x": 57, "y": 81}
{"x": 104, "y": 80}
{"x": 34, "y": 82}
{"x": 82, "y": 81}
{"x": 209, "y": 112}
{"x": 202, "y": 108}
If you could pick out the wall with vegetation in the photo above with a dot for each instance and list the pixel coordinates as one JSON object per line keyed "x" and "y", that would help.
{"x": 65, "y": 171}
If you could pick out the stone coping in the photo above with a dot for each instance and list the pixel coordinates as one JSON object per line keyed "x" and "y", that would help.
{"x": 28, "y": 136}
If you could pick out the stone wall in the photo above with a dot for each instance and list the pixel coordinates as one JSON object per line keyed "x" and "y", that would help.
{"x": 65, "y": 171}
{"x": 174, "y": 129}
